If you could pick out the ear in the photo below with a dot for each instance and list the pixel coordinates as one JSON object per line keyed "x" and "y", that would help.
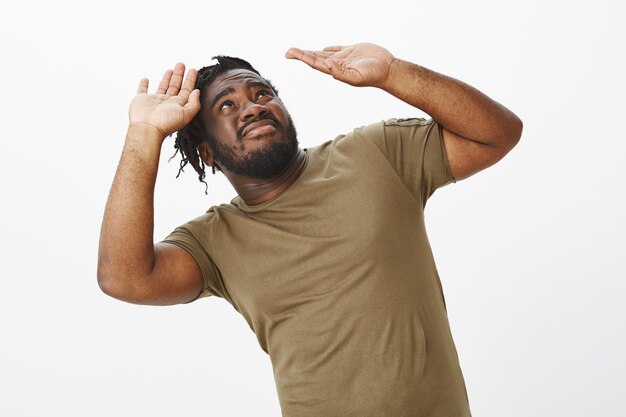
{"x": 206, "y": 153}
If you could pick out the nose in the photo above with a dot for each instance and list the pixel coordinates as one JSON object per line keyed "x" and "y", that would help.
{"x": 252, "y": 111}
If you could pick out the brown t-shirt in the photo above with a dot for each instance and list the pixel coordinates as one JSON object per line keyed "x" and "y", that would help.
{"x": 336, "y": 277}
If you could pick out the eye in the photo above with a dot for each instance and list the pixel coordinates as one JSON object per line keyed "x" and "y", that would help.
{"x": 262, "y": 93}
{"x": 226, "y": 105}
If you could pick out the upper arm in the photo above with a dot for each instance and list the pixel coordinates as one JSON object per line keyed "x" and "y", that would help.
{"x": 414, "y": 150}
{"x": 467, "y": 157}
{"x": 174, "y": 278}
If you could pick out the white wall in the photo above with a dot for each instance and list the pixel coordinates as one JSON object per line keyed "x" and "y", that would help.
{"x": 531, "y": 252}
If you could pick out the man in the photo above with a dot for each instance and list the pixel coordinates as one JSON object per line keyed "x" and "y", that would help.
{"x": 323, "y": 251}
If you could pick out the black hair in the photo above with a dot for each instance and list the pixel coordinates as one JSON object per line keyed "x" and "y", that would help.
{"x": 189, "y": 137}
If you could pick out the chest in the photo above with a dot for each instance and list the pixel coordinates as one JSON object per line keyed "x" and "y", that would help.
{"x": 320, "y": 242}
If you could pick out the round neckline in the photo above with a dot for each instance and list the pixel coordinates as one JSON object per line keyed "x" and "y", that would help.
{"x": 239, "y": 202}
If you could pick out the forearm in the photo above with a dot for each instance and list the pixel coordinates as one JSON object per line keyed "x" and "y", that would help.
{"x": 126, "y": 253}
{"x": 456, "y": 106}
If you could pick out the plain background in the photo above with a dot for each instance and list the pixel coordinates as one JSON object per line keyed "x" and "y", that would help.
{"x": 530, "y": 252}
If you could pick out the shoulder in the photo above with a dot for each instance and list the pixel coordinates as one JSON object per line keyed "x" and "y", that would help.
{"x": 396, "y": 127}
{"x": 201, "y": 226}
{"x": 409, "y": 121}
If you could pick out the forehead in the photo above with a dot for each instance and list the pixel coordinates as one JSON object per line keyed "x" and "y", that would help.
{"x": 231, "y": 79}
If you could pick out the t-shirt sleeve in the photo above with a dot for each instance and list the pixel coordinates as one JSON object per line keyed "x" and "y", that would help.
{"x": 414, "y": 148}
{"x": 184, "y": 238}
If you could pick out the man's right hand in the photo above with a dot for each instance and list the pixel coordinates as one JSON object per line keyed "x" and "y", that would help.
{"x": 172, "y": 106}
{"x": 130, "y": 266}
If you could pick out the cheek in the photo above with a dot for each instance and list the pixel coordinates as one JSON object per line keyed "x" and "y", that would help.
{"x": 280, "y": 112}
{"x": 224, "y": 133}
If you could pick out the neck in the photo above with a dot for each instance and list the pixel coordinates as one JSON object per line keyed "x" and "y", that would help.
{"x": 255, "y": 191}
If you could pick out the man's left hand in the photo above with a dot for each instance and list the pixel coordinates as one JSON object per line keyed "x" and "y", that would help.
{"x": 363, "y": 64}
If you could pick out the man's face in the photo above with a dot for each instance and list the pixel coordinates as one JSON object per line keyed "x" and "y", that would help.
{"x": 252, "y": 131}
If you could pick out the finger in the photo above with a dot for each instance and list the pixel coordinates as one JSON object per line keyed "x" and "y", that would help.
{"x": 177, "y": 79}
{"x": 193, "y": 104}
{"x": 189, "y": 84}
{"x": 339, "y": 51}
{"x": 344, "y": 73}
{"x": 336, "y": 68}
{"x": 296, "y": 53}
{"x": 334, "y": 48}
{"x": 165, "y": 82}
{"x": 143, "y": 86}
{"x": 314, "y": 59}
{"x": 192, "y": 107}
{"x": 293, "y": 53}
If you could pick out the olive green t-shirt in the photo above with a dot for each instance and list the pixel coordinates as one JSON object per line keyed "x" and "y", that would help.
{"x": 337, "y": 280}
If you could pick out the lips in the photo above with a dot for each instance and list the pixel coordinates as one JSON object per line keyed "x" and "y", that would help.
{"x": 258, "y": 124}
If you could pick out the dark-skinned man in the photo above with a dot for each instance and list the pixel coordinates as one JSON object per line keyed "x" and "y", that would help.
{"x": 323, "y": 251}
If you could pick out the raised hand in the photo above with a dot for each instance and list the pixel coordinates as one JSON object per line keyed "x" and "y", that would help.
{"x": 363, "y": 64}
{"x": 172, "y": 106}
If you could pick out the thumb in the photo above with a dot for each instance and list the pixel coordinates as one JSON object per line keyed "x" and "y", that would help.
{"x": 338, "y": 70}
{"x": 193, "y": 103}
{"x": 333, "y": 65}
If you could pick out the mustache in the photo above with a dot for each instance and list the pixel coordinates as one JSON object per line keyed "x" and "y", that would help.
{"x": 257, "y": 119}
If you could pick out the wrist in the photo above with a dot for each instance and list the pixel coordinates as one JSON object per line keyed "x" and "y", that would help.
{"x": 144, "y": 139}
{"x": 146, "y": 131}
{"x": 390, "y": 80}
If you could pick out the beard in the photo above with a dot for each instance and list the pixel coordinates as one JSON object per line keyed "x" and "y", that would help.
{"x": 266, "y": 162}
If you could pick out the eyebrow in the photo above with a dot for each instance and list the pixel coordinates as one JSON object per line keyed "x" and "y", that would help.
{"x": 230, "y": 90}
{"x": 221, "y": 94}
{"x": 259, "y": 84}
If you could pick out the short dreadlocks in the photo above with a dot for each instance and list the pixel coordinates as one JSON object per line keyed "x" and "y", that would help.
{"x": 189, "y": 137}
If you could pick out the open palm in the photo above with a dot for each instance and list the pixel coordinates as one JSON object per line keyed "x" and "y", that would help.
{"x": 172, "y": 106}
{"x": 363, "y": 64}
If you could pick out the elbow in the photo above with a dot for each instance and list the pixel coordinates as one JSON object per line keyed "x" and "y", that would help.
{"x": 112, "y": 283}
{"x": 106, "y": 282}
{"x": 122, "y": 279}
{"x": 123, "y": 285}
{"x": 105, "y": 272}
{"x": 510, "y": 133}
{"x": 517, "y": 127}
